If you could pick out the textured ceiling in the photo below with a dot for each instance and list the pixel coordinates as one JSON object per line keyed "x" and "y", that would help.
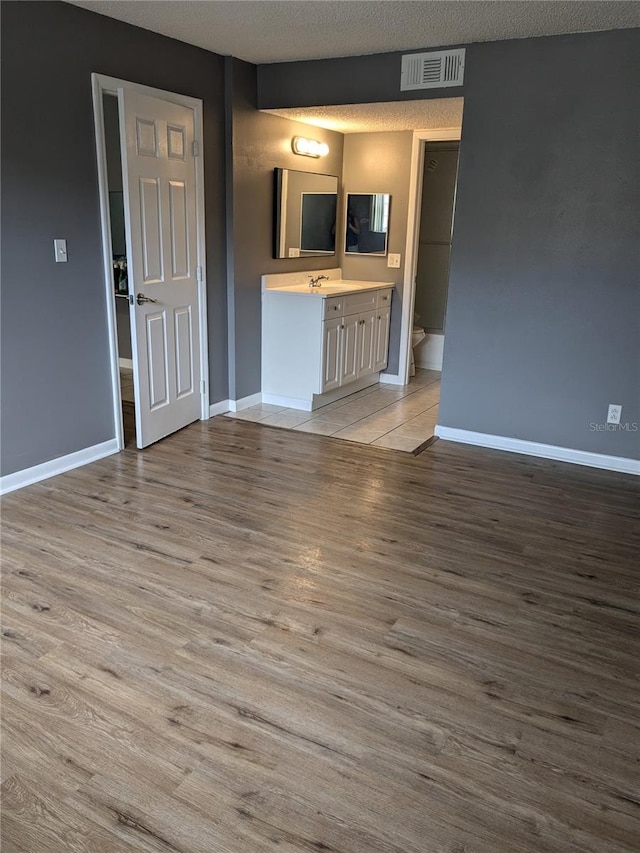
{"x": 367, "y": 118}
{"x": 264, "y": 31}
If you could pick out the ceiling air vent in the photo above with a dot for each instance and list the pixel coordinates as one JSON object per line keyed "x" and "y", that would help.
{"x": 432, "y": 70}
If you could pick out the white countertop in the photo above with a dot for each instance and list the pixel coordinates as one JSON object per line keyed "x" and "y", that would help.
{"x": 334, "y": 287}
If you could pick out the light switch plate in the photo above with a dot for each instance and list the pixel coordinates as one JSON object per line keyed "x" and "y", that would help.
{"x": 60, "y": 249}
{"x": 393, "y": 261}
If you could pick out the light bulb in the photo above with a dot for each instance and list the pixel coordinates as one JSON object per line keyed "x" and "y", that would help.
{"x": 309, "y": 147}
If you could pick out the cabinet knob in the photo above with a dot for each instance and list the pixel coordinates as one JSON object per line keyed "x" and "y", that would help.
{"x": 335, "y": 307}
{"x": 342, "y": 326}
{"x": 384, "y": 298}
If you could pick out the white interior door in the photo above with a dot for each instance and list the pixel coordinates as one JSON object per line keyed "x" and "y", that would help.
{"x": 160, "y": 214}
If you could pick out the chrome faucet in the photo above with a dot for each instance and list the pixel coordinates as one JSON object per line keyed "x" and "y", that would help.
{"x": 314, "y": 281}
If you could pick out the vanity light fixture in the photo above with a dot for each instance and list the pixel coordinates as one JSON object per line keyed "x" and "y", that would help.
{"x": 309, "y": 147}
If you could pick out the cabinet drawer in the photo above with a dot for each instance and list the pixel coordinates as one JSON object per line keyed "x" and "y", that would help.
{"x": 355, "y": 303}
{"x": 383, "y": 298}
{"x": 333, "y": 307}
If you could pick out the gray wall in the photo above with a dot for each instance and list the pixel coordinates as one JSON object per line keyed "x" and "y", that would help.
{"x": 261, "y": 142}
{"x": 380, "y": 163}
{"x": 56, "y": 395}
{"x": 346, "y": 80}
{"x": 543, "y": 322}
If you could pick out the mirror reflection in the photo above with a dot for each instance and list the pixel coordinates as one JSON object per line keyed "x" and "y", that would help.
{"x": 305, "y": 214}
{"x": 367, "y": 223}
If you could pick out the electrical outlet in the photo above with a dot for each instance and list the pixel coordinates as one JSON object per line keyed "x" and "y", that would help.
{"x": 393, "y": 261}
{"x": 615, "y": 413}
{"x": 294, "y": 252}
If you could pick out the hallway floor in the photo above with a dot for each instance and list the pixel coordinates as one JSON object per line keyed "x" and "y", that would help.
{"x": 399, "y": 417}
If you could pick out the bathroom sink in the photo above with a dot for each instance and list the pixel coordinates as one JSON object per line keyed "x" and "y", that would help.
{"x": 336, "y": 286}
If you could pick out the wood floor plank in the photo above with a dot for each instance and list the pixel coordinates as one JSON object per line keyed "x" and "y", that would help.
{"x": 249, "y": 640}
{"x": 36, "y": 818}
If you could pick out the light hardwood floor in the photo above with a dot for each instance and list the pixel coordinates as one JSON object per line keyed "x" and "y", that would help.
{"x": 245, "y": 640}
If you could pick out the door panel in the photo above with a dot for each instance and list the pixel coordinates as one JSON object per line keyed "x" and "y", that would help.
{"x": 146, "y": 137}
{"x": 184, "y": 353}
{"x": 160, "y": 211}
{"x": 156, "y": 328}
{"x": 179, "y": 230}
{"x": 176, "y": 142}
{"x": 150, "y": 230}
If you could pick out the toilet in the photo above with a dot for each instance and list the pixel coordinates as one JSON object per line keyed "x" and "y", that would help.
{"x": 417, "y": 336}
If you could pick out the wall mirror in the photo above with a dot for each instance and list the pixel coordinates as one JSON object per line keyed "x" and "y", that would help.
{"x": 367, "y": 223}
{"x": 304, "y": 214}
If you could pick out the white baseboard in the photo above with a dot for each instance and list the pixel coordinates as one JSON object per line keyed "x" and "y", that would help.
{"x": 11, "y": 482}
{"x": 219, "y": 408}
{"x": 544, "y": 451}
{"x": 391, "y": 379}
{"x": 245, "y": 402}
{"x": 125, "y": 362}
{"x": 288, "y": 402}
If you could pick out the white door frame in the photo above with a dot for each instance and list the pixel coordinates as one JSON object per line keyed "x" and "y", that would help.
{"x": 444, "y": 134}
{"x": 104, "y": 85}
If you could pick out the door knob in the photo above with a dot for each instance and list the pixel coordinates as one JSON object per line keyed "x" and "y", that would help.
{"x": 140, "y": 298}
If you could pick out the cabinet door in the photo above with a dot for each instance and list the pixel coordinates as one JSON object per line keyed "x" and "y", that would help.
{"x": 381, "y": 339}
{"x": 331, "y": 351}
{"x": 367, "y": 329}
{"x": 349, "y": 370}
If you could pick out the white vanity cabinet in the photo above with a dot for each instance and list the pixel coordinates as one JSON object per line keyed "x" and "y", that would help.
{"x": 381, "y": 346}
{"x": 332, "y": 335}
{"x": 355, "y": 343}
{"x": 318, "y": 347}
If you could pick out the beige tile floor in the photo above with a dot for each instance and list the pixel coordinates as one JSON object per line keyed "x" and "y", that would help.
{"x": 392, "y": 416}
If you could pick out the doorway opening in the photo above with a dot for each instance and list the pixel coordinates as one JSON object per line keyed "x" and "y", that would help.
{"x": 434, "y": 174}
{"x": 435, "y": 232}
{"x": 120, "y": 265}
